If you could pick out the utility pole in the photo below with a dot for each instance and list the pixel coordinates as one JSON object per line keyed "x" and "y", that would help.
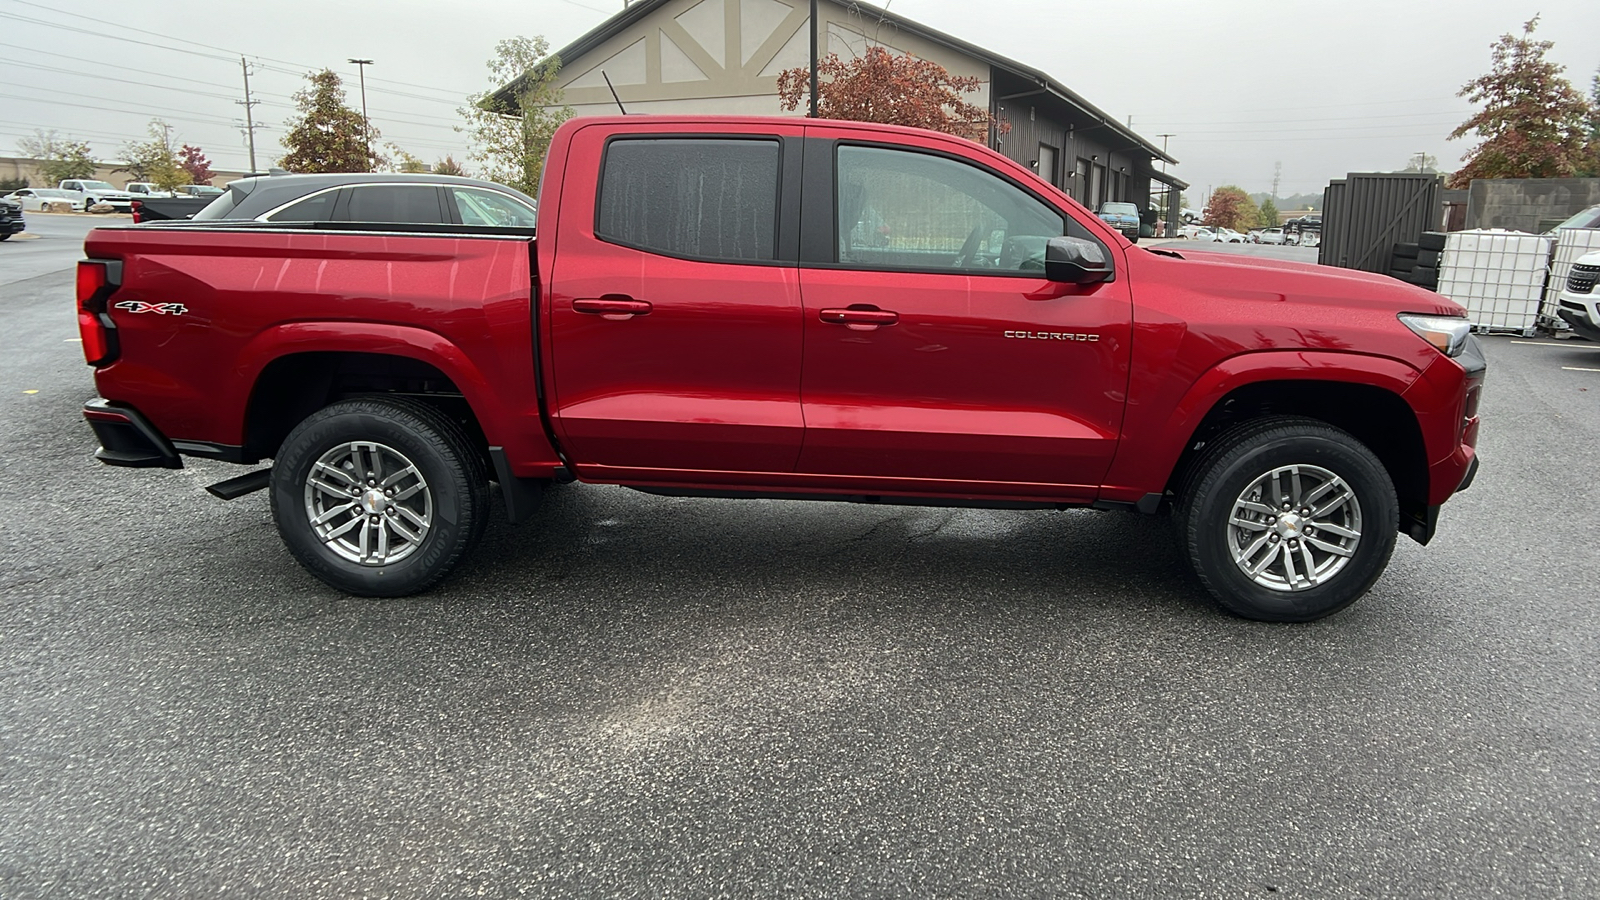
{"x": 366, "y": 123}
{"x": 249, "y": 120}
{"x": 1164, "y": 148}
{"x": 813, "y": 59}
{"x": 1277, "y": 178}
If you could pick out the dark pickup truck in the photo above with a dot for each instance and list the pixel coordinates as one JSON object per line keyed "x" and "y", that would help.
{"x": 791, "y": 308}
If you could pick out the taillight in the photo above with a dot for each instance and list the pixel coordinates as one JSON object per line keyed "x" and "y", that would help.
{"x": 137, "y": 206}
{"x": 99, "y": 342}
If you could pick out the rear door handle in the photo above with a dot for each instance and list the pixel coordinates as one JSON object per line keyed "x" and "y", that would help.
{"x": 616, "y": 307}
{"x": 861, "y": 314}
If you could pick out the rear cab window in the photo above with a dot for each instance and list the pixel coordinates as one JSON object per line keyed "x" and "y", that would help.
{"x": 712, "y": 199}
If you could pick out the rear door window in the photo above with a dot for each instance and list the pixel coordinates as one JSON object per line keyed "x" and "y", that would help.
{"x": 394, "y": 203}
{"x": 706, "y": 199}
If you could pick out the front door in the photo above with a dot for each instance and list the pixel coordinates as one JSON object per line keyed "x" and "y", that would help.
{"x": 676, "y": 325}
{"x": 936, "y": 350}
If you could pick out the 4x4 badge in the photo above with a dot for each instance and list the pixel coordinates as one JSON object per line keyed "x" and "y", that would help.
{"x": 165, "y": 309}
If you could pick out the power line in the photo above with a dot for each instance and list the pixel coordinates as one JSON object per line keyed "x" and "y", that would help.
{"x": 190, "y": 91}
{"x": 167, "y": 37}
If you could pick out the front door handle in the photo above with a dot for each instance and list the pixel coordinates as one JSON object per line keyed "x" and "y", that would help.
{"x": 616, "y": 307}
{"x": 859, "y": 316}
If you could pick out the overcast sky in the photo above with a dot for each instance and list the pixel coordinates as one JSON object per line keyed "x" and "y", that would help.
{"x": 1322, "y": 87}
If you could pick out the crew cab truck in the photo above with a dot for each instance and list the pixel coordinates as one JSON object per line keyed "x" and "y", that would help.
{"x": 747, "y": 307}
{"x": 88, "y": 192}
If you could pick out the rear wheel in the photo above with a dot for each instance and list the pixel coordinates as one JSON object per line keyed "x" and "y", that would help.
{"x": 1288, "y": 520}
{"x": 379, "y": 497}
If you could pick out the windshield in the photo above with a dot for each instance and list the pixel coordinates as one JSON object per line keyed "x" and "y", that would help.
{"x": 1589, "y": 218}
{"x": 97, "y": 185}
{"x": 1120, "y": 209}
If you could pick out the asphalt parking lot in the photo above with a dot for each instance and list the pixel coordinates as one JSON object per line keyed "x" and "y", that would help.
{"x": 647, "y": 697}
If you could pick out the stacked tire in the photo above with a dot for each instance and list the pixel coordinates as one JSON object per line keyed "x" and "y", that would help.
{"x": 1418, "y": 263}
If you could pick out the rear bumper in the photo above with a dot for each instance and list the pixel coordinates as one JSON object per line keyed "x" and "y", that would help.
{"x": 127, "y": 438}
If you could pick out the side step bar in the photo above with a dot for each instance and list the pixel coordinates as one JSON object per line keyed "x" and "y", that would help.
{"x": 248, "y": 483}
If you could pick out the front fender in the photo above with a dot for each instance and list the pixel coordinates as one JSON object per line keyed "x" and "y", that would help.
{"x": 1155, "y": 434}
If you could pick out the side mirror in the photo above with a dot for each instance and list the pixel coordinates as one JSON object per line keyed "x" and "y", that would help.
{"x": 1076, "y": 261}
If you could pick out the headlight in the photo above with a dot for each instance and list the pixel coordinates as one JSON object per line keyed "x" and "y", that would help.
{"x": 1446, "y": 333}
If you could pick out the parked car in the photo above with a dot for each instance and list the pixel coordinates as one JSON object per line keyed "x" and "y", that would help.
{"x": 88, "y": 193}
{"x": 37, "y": 199}
{"x": 1578, "y": 304}
{"x": 198, "y": 190}
{"x": 144, "y": 190}
{"x": 1589, "y": 218}
{"x": 1124, "y": 217}
{"x": 357, "y": 197}
{"x": 1270, "y": 236}
{"x": 1220, "y": 235}
{"x": 1193, "y": 232}
{"x": 11, "y": 221}
{"x": 656, "y": 333}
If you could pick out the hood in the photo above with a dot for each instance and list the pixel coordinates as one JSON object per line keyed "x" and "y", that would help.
{"x": 1312, "y": 281}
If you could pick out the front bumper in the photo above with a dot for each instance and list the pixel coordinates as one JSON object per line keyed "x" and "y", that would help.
{"x": 1581, "y": 311}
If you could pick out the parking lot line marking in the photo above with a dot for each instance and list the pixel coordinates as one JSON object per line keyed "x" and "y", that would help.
{"x": 30, "y": 392}
{"x": 1569, "y": 346}
{"x": 73, "y": 341}
{"x": 1579, "y": 369}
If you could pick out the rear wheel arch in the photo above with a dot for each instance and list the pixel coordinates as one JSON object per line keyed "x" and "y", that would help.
{"x": 292, "y": 387}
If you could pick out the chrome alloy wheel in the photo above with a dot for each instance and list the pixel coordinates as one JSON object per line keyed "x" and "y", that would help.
{"x": 1294, "y": 528}
{"x": 368, "y": 503}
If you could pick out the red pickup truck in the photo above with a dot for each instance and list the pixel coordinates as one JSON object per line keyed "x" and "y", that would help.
{"x": 745, "y": 307}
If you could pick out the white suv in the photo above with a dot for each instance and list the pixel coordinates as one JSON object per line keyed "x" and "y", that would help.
{"x": 1578, "y": 304}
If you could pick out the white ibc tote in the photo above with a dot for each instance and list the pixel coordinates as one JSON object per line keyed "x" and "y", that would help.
{"x": 1497, "y": 275}
{"x": 1572, "y": 244}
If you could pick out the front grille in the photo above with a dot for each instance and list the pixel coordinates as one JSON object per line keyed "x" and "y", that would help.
{"x": 1575, "y": 307}
{"x": 1582, "y": 279}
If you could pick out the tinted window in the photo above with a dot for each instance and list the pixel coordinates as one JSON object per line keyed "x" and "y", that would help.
{"x": 394, "y": 203}
{"x": 899, "y": 209}
{"x": 222, "y": 206}
{"x": 480, "y": 207}
{"x": 316, "y": 208}
{"x": 706, "y": 199}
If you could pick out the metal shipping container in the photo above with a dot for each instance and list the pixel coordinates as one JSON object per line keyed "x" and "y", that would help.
{"x": 1366, "y": 214}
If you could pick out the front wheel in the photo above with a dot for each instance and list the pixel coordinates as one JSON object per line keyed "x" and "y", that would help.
{"x": 379, "y": 497}
{"x": 1288, "y": 520}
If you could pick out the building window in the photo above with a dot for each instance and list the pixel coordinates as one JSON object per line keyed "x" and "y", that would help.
{"x": 709, "y": 199}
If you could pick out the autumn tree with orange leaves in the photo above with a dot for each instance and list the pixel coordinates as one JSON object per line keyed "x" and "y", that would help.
{"x": 895, "y": 89}
{"x": 1534, "y": 123}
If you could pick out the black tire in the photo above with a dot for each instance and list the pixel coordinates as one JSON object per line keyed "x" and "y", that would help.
{"x": 1408, "y": 251}
{"x": 1241, "y": 458}
{"x": 1429, "y": 258}
{"x": 1431, "y": 240}
{"x": 1402, "y": 274}
{"x": 457, "y": 489}
{"x": 5, "y": 237}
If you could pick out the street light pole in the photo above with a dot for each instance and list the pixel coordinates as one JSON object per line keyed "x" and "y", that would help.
{"x": 366, "y": 123}
{"x": 813, "y": 59}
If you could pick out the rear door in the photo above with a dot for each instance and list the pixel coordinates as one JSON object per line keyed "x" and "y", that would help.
{"x": 675, "y": 305}
{"x": 936, "y": 352}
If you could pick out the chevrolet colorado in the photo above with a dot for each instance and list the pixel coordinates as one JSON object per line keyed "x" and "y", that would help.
{"x": 751, "y": 307}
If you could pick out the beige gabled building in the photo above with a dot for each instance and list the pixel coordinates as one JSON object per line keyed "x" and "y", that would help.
{"x": 723, "y": 57}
